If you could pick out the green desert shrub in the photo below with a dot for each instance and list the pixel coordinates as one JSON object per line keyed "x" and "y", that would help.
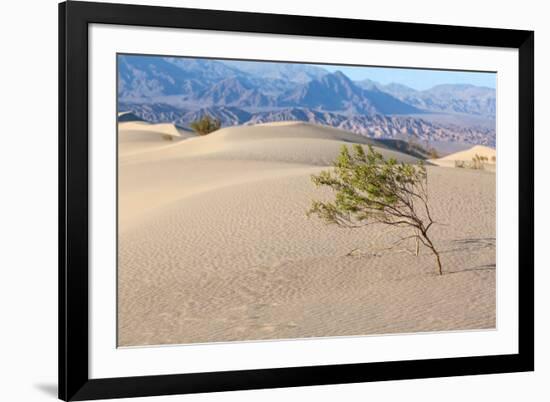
{"x": 370, "y": 189}
{"x": 205, "y": 125}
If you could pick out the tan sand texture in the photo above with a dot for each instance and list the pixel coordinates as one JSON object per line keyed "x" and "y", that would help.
{"x": 137, "y": 136}
{"x": 467, "y": 156}
{"x": 215, "y": 244}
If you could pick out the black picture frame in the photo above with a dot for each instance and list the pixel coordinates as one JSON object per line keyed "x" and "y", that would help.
{"x": 74, "y": 381}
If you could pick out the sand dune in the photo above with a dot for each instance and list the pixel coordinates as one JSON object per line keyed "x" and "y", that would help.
{"x": 467, "y": 156}
{"x": 292, "y": 142}
{"x": 134, "y": 131}
{"x": 215, "y": 245}
{"x": 138, "y": 136}
{"x": 291, "y": 129}
{"x": 163, "y": 171}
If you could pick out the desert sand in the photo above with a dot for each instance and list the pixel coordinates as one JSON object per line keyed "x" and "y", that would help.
{"x": 467, "y": 156}
{"x": 215, "y": 244}
{"x": 137, "y": 136}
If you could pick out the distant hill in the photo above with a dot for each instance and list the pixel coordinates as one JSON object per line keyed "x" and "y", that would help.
{"x": 449, "y": 98}
{"x": 337, "y": 92}
{"x": 235, "y": 91}
{"x": 178, "y": 90}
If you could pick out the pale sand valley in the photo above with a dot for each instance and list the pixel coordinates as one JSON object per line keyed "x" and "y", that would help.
{"x": 215, "y": 244}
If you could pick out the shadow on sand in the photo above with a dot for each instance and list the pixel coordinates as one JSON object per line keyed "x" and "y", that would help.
{"x": 470, "y": 244}
{"x": 486, "y": 267}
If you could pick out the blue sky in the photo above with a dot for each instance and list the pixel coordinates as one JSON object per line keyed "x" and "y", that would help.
{"x": 415, "y": 78}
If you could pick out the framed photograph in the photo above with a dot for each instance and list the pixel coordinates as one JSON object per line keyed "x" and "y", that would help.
{"x": 259, "y": 201}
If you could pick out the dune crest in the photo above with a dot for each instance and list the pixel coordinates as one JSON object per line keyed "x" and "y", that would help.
{"x": 140, "y": 136}
{"x": 297, "y": 143}
{"x": 467, "y": 156}
{"x": 131, "y": 129}
{"x": 280, "y": 123}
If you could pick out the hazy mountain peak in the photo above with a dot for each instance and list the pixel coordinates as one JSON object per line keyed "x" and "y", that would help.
{"x": 340, "y": 75}
{"x": 368, "y": 84}
{"x": 293, "y": 72}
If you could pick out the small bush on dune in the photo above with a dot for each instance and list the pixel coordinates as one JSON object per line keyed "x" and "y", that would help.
{"x": 478, "y": 162}
{"x": 205, "y": 125}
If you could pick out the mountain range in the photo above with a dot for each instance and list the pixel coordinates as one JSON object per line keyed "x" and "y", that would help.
{"x": 455, "y": 98}
{"x": 181, "y": 90}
